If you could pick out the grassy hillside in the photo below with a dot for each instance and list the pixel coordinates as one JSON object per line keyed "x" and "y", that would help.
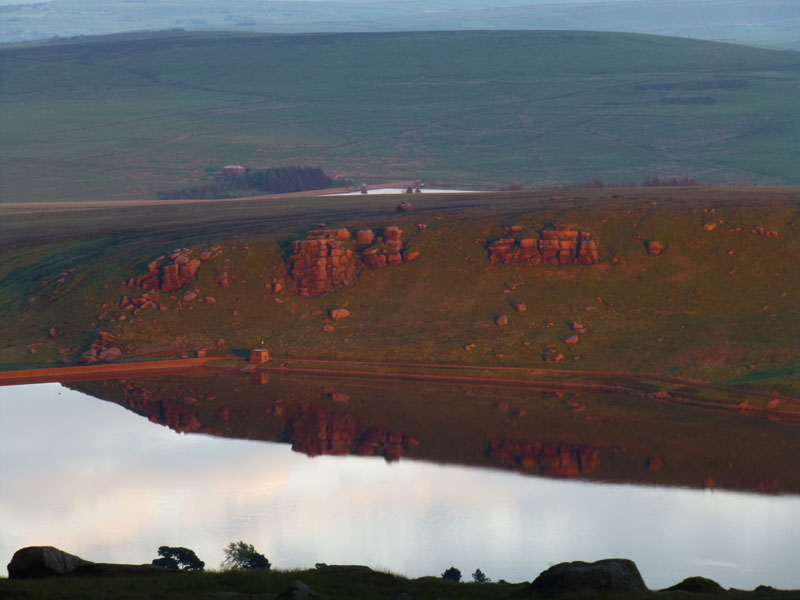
{"x": 719, "y": 304}
{"x": 121, "y": 117}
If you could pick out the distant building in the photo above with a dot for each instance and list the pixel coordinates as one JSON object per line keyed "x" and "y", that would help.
{"x": 233, "y": 170}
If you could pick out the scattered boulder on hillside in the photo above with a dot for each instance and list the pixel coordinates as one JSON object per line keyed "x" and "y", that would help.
{"x": 104, "y": 348}
{"x": 562, "y": 245}
{"x": 339, "y": 313}
{"x": 552, "y": 355}
{"x": 405, "y": 206}
{"x": 137, "y": 304}
{"x": 578, "y": 328}
{"x": 697, "y": 585}
{"x": 298, "y": 590}
{"x": 654, "y": 248}
{"x": 613, "y": 575}
{"x": 764, "y": 232}
{"x": 172, "y": 272}
{"x": 502, "y": 320}
{"x": 519, "y": 306}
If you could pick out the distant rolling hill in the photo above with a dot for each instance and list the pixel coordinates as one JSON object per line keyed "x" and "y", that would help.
{"x": 127, "y": 116}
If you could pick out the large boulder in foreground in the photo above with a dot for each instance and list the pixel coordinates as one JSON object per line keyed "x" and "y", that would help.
{"x": 36, "y": 562}
{"x": 612, "y": 575}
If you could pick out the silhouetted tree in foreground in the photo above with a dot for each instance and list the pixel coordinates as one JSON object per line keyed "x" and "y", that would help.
{"x": 178, "y": 559}
{"x": 452, "y": 574}
{"x": 479, "y": 577}
{"x": 240, "y": 555}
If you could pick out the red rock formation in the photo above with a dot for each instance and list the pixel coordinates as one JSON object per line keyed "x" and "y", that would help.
{"x": 170, "y": 273}
{"x": 322, "y": 263}
{"x": 104, "y": 348}
{"x": 560, "y": 246}
{"x": 319, "y": 265}
{"x": 365, "y": 237}
{"x": 654, "y": 248}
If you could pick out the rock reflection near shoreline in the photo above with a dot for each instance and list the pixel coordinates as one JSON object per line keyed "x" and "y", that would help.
{"x": 596, "y": 437}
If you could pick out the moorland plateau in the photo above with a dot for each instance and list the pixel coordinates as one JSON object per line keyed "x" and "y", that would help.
{"x": 691, "y": 283}
{"x": 130, "y": 115}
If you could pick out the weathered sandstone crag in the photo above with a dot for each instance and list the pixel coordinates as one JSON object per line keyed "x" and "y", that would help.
{"x": 560, "y": 246}
{"x": 172, "y": 272}
{"x": 324, "y": 262}
{"x": 321, "y": 263}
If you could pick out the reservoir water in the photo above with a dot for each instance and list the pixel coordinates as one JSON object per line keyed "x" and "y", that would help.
{"x": 98, "y": 480}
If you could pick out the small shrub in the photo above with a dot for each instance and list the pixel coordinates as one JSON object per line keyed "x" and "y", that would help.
{"x": 243, "y": 556}
{"x": 452, "y": 574}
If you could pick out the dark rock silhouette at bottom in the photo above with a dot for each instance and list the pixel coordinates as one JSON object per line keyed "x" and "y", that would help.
{"x": 40, "y": 562}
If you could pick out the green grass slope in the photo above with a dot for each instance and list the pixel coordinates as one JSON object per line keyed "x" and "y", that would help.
{"x": 719, "y": 305}
{"x": 121, "y": 117}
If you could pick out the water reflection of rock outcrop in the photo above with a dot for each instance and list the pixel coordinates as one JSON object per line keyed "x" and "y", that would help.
{"x": 316, "y": 430}
{"x": 554, "y": 459}
{"x": 612, "y": 437}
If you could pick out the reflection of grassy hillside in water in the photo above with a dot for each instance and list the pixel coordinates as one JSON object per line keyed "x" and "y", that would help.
{"x": 121, "y": 117}
{"x": 718, "y": 305}
{"x": 592, "y": 436}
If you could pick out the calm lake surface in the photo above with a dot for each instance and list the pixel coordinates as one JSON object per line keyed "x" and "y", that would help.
{"x": 99, "y": 481}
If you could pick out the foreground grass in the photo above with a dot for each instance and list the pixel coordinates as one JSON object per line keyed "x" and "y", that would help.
{"x": 333, "y": 584}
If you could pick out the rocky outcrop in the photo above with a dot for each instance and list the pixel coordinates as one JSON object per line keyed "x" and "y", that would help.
{"x": 35, "y": 562}
{"x": 320, "y": 265}
{"x": 39, "y": 562}
{"x": 554, "y": 459}
{"x": 104, "y": 348}
{"x": 562, "y": 245}
{"x": 612, "y": 575}
{"x": 697, "y": 585}
{"x": 325, "y": 260}
{"x": 172, "y": 272}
